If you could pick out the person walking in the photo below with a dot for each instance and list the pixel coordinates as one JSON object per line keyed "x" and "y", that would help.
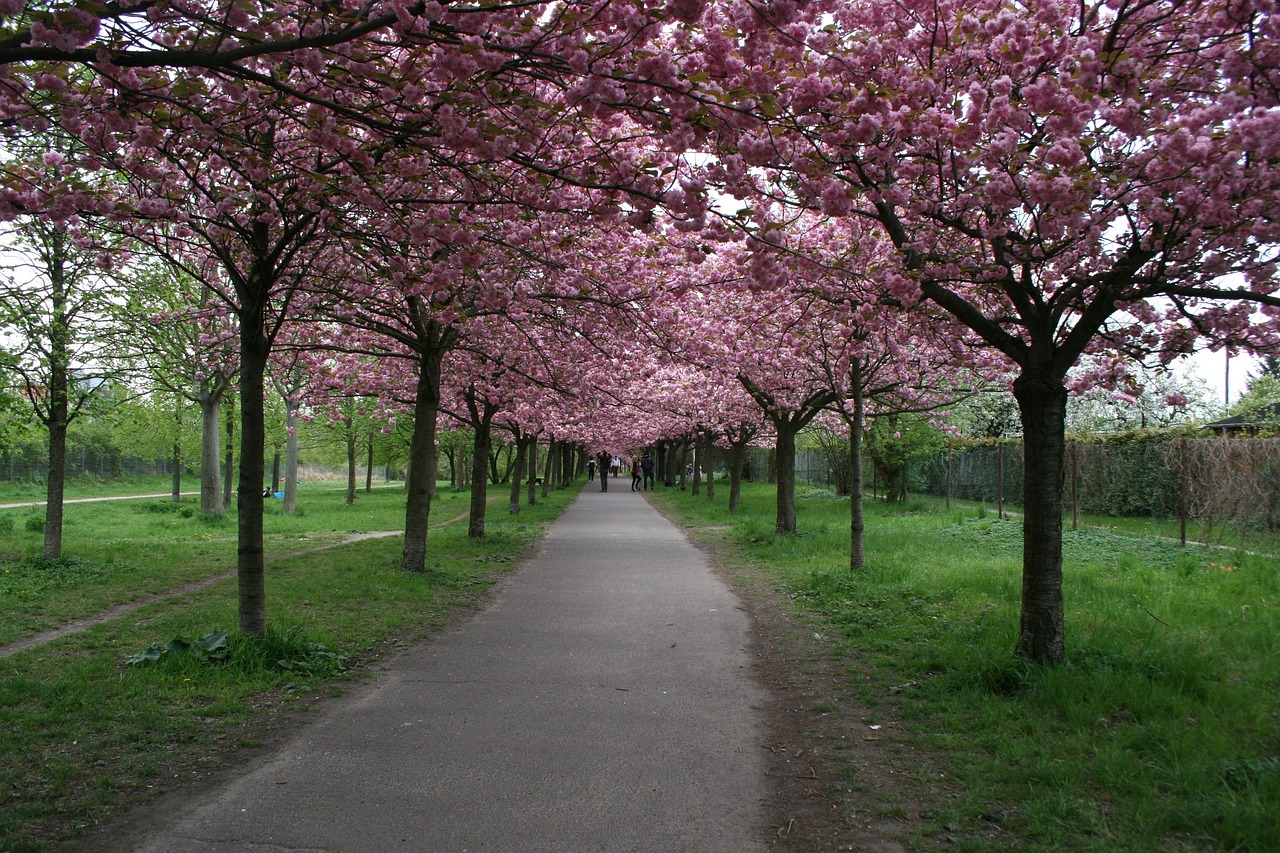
{"x": 591, "y": 470}
{"x": 646, "y": 466}
{"x": 635, "y": 474}
{"x": 604, "y": 459}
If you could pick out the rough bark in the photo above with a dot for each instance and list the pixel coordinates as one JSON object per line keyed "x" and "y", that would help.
{"x": 711, "y": 468}
{"x": 531, "y": 462}
{"x": 423, "y": 460}
{"x": 857, "y": 518}
{"x": 228, "y": 476}
{"x": 479, "y": 476}
{"x": 553, "y": 447}
{"x": 210, "y": 453}
{"x": 737, "y": 457}
{"x": 255, "y": 347}
{"x": 1042, "y": 403}
{"x": 177, "y": 471}
{"x": 517, "y": 472}
{"x": 291, "y": 458}
{"x": 55, "y": 488}
{"x": 785, "y": 449}
{"x": 59, "y": 412}
{"x": 351, "y": 466}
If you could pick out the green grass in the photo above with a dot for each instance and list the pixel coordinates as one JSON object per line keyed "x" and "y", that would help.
{"x": 84, "y": 734}
{"x": 1161, "y": 733}
{"x": 133, "y": 549}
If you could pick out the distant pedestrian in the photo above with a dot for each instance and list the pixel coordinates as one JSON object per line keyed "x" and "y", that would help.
{"x": 603, "y": 459}
{"x": 646, "y": 466}
{"x": 636, "y": 484}
{"x": 591, "y": 470}
{"x": 616, "y": 465}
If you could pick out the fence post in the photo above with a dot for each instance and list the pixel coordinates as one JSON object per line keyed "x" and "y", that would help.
{"x": 1000, "y": 482}
{"x": 1075, "y": 503}
{"x": 1182, "y": 491}
{"x": 949, "y": 454}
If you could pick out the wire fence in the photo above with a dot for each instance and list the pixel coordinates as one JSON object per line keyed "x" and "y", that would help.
{"x": 1215, "y": 483}
{"x": 27, "y": 463}
{"x": 1232, "y": 481}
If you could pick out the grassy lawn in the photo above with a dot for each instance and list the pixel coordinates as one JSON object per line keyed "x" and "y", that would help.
{"x": 85, "y": 735}
{"x": 1163, "y": 731}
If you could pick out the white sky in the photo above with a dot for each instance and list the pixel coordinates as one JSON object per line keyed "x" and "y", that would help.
{"x": 1212, "y": 367}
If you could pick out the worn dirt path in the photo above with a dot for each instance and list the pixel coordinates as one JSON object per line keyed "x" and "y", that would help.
{"x": 77, "y": 625}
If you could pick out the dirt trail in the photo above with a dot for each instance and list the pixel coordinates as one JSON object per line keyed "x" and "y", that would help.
{"x": 77, "y": 625}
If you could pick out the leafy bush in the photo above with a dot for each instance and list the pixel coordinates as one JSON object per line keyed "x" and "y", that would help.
{"x": 159, "y": 507}
{"x": 35, "y": 524}
{"x": 282, "y": 650}
{"x": 7, "y": 524}
{"x": 35, "y": 576}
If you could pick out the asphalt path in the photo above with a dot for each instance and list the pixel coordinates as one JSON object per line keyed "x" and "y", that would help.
{"x": 602, "y": 701}
{"x": 94, "y": 500}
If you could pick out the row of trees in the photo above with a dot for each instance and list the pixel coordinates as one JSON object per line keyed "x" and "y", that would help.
{"x": 614, "y": 224}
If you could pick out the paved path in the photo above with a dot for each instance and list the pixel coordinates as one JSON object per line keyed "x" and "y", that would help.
{"x": 94, "y": 500}
{"x": 603, "y": 701}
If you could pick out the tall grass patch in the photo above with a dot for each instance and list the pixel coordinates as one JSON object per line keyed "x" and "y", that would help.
{"x": 1162, "y": 732}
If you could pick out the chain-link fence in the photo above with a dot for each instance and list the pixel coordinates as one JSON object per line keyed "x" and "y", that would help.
{"x": 1232, "y": 481}
{"x": 26, "y": 463}
{"x": 1229, "y": 482}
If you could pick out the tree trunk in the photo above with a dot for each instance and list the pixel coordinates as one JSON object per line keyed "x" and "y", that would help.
{"x": 517, "y": 472}
{"x": 857, "y": 519}
{"x": 255, "y": 348}
{"x": 291, "y": 459}
{"x": 228, "y": 476}
{"x": 368, "y": 468}
{"x": 177, "y": 470}
{"x": 55, "y": 488}
{"x": 786, "y": 464}
{"x": 737, "y": 458}
{"x": 59, "y": 413}
{"x": 710, "y": 454}
{"x": 698, "y": 462}
{"x": 553, "y": 447}
{"x": 210, "y": 453}
{"x": 423, "y": 457}
{"x": 1042, "y": 403}
{"x": 479, "y": 478}
{"x": 531, "y": 463}
{"x": 351, "y": 465}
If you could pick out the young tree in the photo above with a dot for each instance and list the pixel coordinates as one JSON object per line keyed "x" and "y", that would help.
{"x": 188, "y": 342}
{"x": 59, "y": 303}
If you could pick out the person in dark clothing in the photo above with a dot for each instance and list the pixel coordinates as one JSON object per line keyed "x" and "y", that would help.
{"x": 635, "y": 473}
{"x": 591, "y": 470}
{"x": 604, "y": 459}
{"x": 646, "y": 465}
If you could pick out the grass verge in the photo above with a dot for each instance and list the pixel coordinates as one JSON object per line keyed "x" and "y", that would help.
{"x": 1162, "y": 733}
{"x": 84, "y": 735}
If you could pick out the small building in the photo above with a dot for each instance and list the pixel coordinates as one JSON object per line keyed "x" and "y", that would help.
{"x": 1264, "y": 420}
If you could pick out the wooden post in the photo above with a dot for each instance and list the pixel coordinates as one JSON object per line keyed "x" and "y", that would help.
{"x": 1000, "y": 482}
{"x": 949, "y": 454}
{"x": 1075, "y": 504}
{"x": 1182, "y": 491}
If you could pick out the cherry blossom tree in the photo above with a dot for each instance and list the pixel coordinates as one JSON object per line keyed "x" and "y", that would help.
{"x": 1063, "y": 179}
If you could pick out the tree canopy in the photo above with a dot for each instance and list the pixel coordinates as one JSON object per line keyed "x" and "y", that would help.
{"x": 619, "y": 224}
